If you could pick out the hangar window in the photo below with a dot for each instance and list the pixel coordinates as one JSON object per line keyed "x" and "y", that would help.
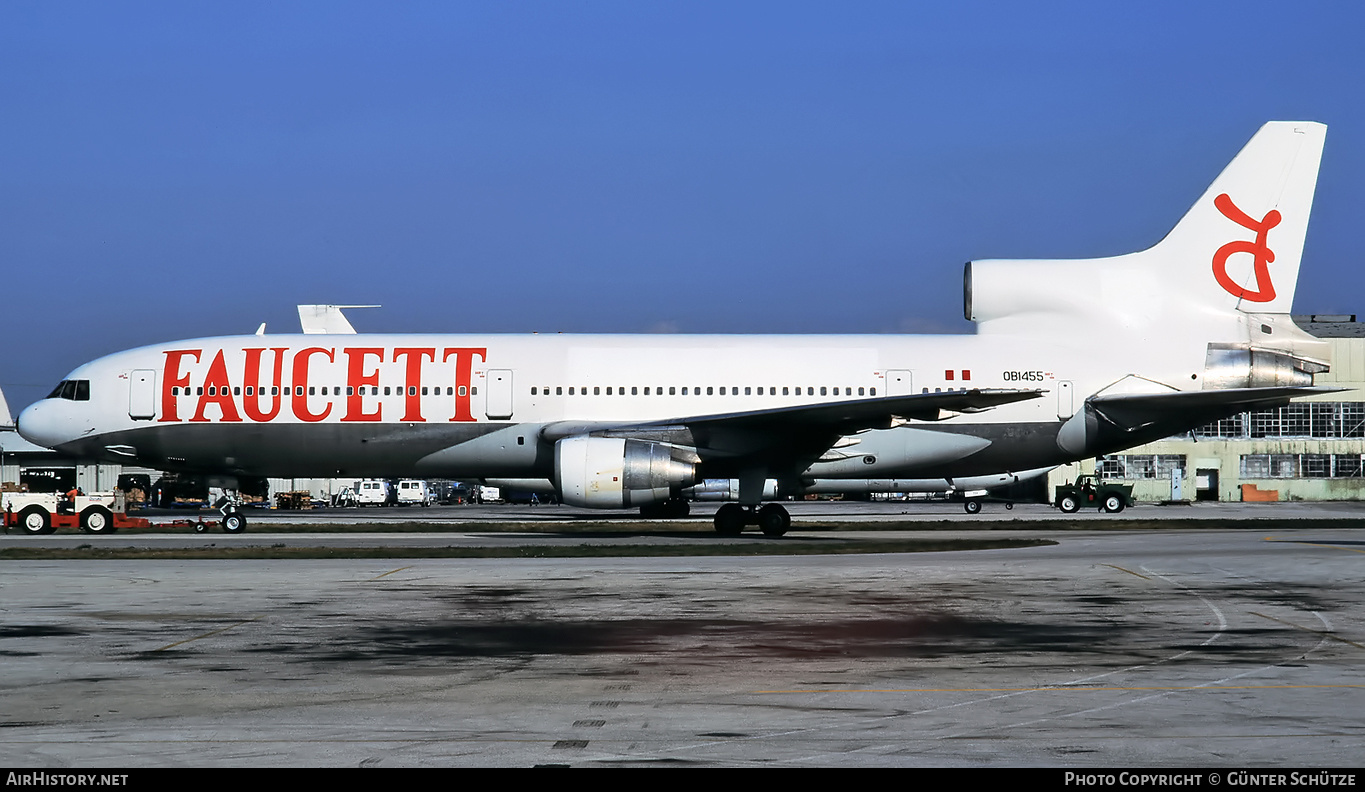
{"x": 1254, "y": 466}
{"x": 1141, "y": 466}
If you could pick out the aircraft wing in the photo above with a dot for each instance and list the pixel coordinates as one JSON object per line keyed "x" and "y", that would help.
{"x": 784, "y": 434}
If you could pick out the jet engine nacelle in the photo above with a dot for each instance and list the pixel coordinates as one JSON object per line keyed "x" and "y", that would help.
{"x": 616, "y": 473}
{"x": 1000, "y": 289}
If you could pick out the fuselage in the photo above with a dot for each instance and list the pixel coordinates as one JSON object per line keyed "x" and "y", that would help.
{"x": 466, "y": 406}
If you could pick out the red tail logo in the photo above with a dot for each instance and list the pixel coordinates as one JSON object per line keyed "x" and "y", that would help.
{"x": 1265, "y": 290}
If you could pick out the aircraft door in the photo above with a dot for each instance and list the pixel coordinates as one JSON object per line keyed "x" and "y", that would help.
{"x": 142, "y": 394}
{"x": 898, "y": 382}
{"x": 499, "y": 406}
{"x": 1066, "y": 401}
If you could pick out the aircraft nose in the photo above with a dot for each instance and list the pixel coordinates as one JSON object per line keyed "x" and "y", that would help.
{"x": 40, "y": 424}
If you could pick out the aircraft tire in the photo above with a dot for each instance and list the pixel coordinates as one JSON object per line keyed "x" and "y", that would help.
{"x": 97, "y": 520}
{"x": 234, "y": 522}
{"x": 730, "y": 520}
{"x": 774, "y": 520}
{"x": 972, "y": 506}
{"x": 677, "y": 508}
{"x": 35, "y": 521}
{"x": 1113, "y": 503}
{"x": 1068, "y": 504}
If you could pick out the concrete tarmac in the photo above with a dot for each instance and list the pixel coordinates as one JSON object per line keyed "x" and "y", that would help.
{"x": 1183, "y": 647}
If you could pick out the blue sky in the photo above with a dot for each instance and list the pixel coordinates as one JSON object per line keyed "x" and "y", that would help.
{"x": 183, "y": 169}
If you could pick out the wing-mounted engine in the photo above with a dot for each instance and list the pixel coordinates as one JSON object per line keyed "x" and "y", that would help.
{"x": 618, "y": 473}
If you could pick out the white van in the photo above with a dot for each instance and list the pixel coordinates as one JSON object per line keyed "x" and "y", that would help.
{"x": 412, "y": 492}
{"x": 372, "y": 492}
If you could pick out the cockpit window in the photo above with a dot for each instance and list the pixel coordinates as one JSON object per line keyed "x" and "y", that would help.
{"x": 71, "y": 390}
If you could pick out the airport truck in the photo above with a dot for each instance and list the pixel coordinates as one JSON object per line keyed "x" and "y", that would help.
{"x": 39, "y": 513}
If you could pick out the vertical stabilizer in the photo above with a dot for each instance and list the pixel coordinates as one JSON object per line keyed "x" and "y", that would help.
{"x": 1241, "y": 243}
{"x": 1235, "y": 252}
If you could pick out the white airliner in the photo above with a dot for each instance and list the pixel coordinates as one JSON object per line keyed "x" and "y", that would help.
{"x": 1071, "y": 359}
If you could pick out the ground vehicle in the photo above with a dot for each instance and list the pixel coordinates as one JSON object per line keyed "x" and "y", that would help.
{"x": 45, "y": 512}
{"x": 373, "y": 492}
{"x": 1091, "y": 490}
{"x": 412, "y": 492}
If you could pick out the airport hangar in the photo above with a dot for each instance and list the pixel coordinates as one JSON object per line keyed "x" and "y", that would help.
{"x": 1311, "y": 450}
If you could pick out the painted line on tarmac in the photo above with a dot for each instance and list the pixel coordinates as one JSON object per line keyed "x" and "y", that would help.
{"x": 208, "y": 634}
{"x": 1129, "y": 571}
{"x": 1321, "y": 633}
{"x": 390, "y": 572}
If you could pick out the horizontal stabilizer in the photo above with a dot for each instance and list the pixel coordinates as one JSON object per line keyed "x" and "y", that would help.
{"x": 1135, "y": 410}
{"x": 1110, "y": 423}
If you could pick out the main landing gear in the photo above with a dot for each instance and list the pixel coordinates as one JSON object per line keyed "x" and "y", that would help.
{"x": 772, "y": 519}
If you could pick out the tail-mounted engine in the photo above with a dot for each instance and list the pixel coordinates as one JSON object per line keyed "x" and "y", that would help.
{"x": 616, "y": 473}
{"x": 1243, "y": 366}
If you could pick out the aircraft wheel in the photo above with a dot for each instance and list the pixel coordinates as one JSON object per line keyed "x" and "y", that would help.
{"x": 774, "y": 520}
{"x": 35, "y": 521}
{"x": 97, "y": 520}
{"x": 730, "y": 520}
{"x": 678, "y": 508}
{"x": 1068, "y": 504}
{"x": 234, "y": 522}
{"x": 972, "y": 506}
{"x": 1113, "y": 503}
